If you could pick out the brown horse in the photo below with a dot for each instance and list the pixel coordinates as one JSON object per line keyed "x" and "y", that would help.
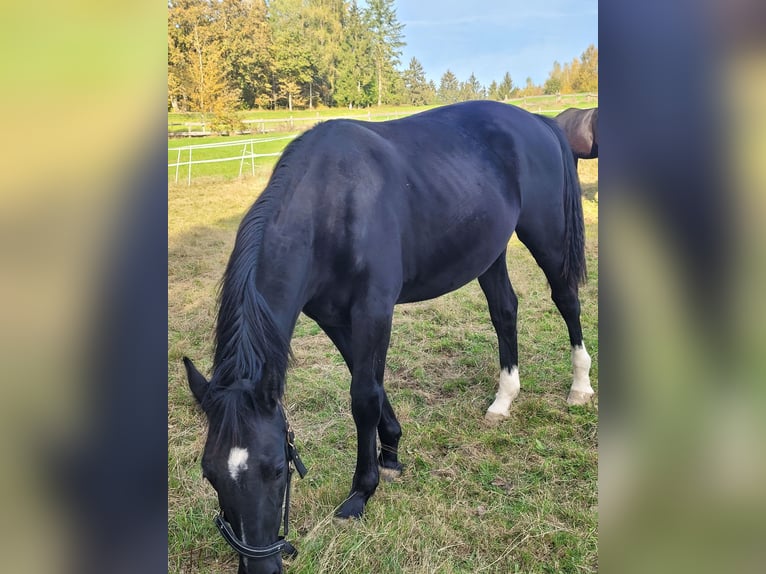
{"x": 581, "y": 129}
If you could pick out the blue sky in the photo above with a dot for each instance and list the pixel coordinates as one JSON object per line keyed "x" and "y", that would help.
{"x": 490, "y": 37}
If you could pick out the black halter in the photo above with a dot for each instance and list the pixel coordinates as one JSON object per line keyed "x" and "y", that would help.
{"x": 281, "y": 545}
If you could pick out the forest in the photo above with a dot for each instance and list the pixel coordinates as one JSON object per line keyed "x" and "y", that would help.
{"x": 229, "y": 55}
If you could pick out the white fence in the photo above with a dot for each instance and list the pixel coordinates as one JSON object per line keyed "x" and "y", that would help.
{"x": 282, "y": 124}
{"x": 247, "y": 153}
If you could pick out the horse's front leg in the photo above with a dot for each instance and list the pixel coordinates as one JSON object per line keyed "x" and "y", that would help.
{"x": 370, "y": 343}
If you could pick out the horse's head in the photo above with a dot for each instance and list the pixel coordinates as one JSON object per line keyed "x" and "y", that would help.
{"x": 247, "y": 460}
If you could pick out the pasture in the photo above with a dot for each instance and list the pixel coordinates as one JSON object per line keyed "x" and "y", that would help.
{"x": 520, "y": 496}
{"x": 263, "y": 143}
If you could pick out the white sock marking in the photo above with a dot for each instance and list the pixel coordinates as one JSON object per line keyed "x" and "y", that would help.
{"x": 237, "y": 461}
{"x": 508, "y": 389}
{"x": 581, "y": 369}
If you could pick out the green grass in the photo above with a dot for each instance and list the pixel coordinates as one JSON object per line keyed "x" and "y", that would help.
{"x": 517, "y": 497}
{"x": 224, "y": 170}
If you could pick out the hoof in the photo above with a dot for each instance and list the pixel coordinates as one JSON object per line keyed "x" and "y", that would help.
{"x": 389, "y": 474}
{"x": 578, "y": 398}
{"x": 352, "y": 507}
{"x": 495, "y": 417}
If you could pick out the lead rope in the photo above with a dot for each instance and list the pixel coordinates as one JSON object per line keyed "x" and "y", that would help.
{"x": 287, "y": 498}
{"x": 294, "y": 462}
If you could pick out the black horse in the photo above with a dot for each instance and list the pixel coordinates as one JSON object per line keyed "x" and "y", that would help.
{"x": 356, "y": 218}
{"x": 581, "y": 129}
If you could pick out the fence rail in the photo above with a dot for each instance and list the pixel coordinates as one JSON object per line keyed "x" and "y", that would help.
{"x": 248, "y": 153}
{"x": 532, "y": 103}
{"x": 265, "y": 125}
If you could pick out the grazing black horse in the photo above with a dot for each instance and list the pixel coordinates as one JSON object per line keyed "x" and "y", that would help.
{"x": 356, "y": 218}
{"x": 581, "y": 129}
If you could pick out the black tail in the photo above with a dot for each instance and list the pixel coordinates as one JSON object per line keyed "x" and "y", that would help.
{"x": 575, "y": 270}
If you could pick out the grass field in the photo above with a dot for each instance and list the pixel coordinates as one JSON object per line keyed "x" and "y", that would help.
{"x": 517, "y": 497}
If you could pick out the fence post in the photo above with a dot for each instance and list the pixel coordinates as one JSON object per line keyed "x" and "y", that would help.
{"x": 190, "y": 165}
{"x": 178, "y": 161}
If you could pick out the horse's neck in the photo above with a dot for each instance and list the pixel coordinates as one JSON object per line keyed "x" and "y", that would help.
{"x": 285, "y": 305}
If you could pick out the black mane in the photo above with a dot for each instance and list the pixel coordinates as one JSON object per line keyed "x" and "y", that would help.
{"x": 248, "y": 344}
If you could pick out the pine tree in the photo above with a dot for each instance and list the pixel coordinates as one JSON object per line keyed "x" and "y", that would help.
{"x": 387, "y": 39}
{"x": 505, "y": 89}
{"x": 354, "y": 85}
{"x": 471, "y": 89}
{"x": 449, "y": 88}
{"x": 415, "y": 84}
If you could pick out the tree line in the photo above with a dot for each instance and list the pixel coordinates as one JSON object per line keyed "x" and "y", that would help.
{"x": 225, "y": 55}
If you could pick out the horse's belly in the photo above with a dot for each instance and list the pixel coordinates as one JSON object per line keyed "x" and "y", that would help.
{"x": 422, "y": 290}
{"x": 450, "y": 268}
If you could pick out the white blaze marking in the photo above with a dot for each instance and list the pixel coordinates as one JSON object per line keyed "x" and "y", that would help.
{"x": 237, "y": 461}
{"x": 581, "y": 369}
{"x": 508, "y": 389}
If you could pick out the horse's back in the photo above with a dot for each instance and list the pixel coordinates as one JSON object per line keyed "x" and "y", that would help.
{"x": 416, "y": 207}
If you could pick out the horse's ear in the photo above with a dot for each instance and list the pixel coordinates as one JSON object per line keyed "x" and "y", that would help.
{"x": 197, "y": 382}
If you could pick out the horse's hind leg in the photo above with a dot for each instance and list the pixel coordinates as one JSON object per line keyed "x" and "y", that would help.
{"x": 503, "y": 305}
{"x": 389, "y": 429}
{"x": 567, "y": 300}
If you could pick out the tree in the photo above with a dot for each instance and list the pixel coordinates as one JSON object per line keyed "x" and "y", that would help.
{"x": 324, "y": 37}
{"x": 354, "y": 85}
{"x": 471, "y": 89}
{"x": 246, "y": 38}
{"x": 292, "y": 64}
{"x": 530, "y": 89}
{"x": 492, "y": 91}
{"x": 431, "y": 92}
{"x": 505, "y": 89}
{"x": 386, "y": 37}
{"x": 586, "y": 78}
{"x": 229, "y": 54}
{"x": 197, "y": 68}
{"x": 579, "y": 75}
{"x": 449, "y": 88}
{"x": 415, "y": 84}
{"x": 553, "y": 83}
